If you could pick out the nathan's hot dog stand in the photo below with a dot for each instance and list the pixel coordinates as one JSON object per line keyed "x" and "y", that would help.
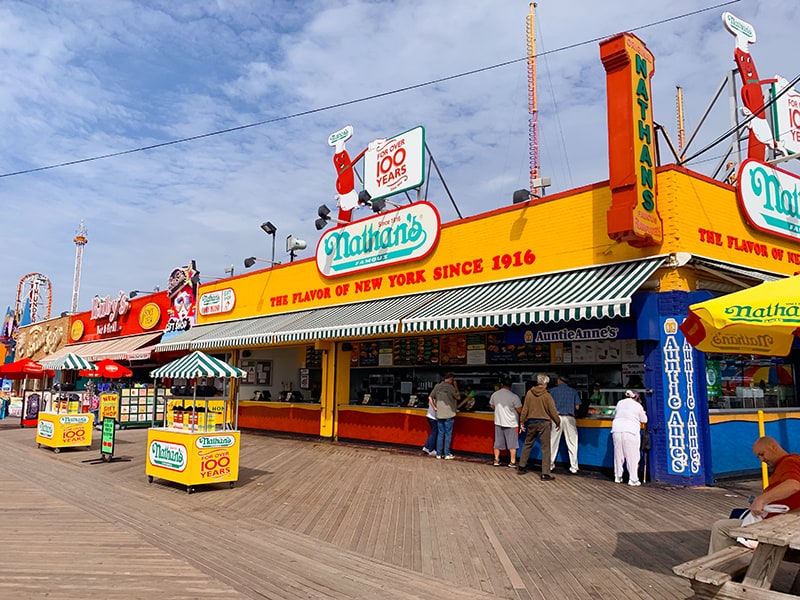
{"x": 65, "y": 421}
{"x": 200, "y": 444}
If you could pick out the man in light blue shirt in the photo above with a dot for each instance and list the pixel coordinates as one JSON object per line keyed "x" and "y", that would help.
{"x": 567, "y": 401}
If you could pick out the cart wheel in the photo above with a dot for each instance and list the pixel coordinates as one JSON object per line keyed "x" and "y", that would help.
{"x": 38, "y": 445}
{"x": 149, "y": 479}
{"x": 231, "y": 484}
{"x": 56, "y": 450}
{"x": 190, "y": 489}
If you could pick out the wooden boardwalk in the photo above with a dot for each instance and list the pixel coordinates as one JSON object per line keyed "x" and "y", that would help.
{"x": 317, "y": 519}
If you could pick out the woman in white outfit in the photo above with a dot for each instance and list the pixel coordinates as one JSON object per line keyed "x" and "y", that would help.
{"x": 626, "y": 433}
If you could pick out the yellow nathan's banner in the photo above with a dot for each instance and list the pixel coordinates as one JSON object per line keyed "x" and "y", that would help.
{"x": 760, "y": 320}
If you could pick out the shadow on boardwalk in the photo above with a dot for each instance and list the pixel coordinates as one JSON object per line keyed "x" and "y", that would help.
{"x": 318, "y": 519}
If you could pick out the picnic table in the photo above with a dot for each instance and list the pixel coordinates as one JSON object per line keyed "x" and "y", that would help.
{"x": 713, "y": 576}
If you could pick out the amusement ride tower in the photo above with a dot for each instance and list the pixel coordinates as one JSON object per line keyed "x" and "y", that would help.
{"x": 80, "y": 240}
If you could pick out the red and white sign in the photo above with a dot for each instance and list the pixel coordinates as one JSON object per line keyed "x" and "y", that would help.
{"x": 395, "y": 165}
{"x": 220, "y": 301}
{"x": 787, "y": 116}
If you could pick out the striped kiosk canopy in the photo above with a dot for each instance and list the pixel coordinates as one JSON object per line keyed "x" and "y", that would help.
{"x": 197, "y": 364}
{"x": 69, "y": 362}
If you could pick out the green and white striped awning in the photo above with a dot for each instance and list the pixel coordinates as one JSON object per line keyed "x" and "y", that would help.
{"x": 597, "y": 292}
{"x": 195, "y": 365}
{"x": 183, "y": 341}
{"x": 354, "y": 320}
{"x": 249, "y": 332}
{"x": 258, "y": 331}
{"x": 67, "y": 362}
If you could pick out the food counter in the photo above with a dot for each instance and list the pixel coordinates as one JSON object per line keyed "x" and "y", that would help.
{"x": 472, "y": 431}
{"x": 291, "y": 417}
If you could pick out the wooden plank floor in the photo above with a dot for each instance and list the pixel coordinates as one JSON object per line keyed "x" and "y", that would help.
{"x": 317, "y": 519}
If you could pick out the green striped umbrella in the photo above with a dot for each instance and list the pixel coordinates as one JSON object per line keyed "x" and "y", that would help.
{"x": 197, "y": 364}
{"x": 69, "y": 361}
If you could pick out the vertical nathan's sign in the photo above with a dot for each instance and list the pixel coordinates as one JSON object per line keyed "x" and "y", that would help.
{"x": 633, "y": 216}
{"x": 395, "y": 165}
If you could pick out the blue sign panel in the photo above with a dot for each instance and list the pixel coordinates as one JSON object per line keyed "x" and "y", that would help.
{"x": 680, "y": 410}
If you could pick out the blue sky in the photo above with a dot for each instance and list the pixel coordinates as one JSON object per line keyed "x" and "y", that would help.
{"x": 85, "y": 78}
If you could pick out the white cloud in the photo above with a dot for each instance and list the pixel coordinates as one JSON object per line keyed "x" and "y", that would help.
{"x": 89, "y": 78}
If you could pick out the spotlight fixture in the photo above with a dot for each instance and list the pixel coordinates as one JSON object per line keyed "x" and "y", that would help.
{"x": 251, "y": 260}
{"x": 521, "y": 196}
{"x": 324, "y": 216}
{"x": 537, "y": 190}
{"x": 270, "y": 229}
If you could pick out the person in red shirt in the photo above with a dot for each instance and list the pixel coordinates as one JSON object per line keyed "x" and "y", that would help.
{"x": 783, "y": 488}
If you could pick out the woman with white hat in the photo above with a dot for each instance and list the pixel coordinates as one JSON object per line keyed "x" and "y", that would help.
{"x": 625, "y": 432}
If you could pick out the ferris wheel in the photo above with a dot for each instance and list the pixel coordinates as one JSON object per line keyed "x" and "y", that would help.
{"x": 38, "y": 289}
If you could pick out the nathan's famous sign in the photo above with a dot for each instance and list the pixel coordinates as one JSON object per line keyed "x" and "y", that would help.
{"x": 770, "y": 199}
{"x": 633, "y": 216}
{"x": 405, "y": 234}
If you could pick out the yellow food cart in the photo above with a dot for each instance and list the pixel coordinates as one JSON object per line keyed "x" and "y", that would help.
{"x": 64, "y": 430}
{"x": 199, "y": 444}
{"x": 65, "y": 421}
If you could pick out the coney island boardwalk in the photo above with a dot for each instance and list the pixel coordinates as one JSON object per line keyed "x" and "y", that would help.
{"x": 321, "y": 519}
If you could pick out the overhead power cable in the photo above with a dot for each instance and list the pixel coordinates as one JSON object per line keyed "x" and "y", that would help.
{"x": 349, "y": 102}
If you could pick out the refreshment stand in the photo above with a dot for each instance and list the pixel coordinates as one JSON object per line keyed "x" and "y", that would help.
{"x": 65, "y": 423}
{"x": 198, "y": 448}
{"x": 29, "y": 400}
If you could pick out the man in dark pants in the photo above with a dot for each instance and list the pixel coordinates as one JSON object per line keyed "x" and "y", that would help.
{"x": 537, "y": 413}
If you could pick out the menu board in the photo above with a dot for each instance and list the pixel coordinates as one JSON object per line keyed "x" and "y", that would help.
{"x": 258, "y": 371}
{"x": 453, "y": 349}
{"x": 354, "y": 355}
{"x": 476, "y": 348}
{"x": 500, "y": 350}
{"x": 404, "y": 351}
{"x": 428, "y": 351}
{"x": 368, "y": 354}
{"x": 385, "y": 349}
{"x": 313, "y": 358}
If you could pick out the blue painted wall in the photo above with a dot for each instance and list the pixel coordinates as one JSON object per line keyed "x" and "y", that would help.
{"x": 732, "y": 437}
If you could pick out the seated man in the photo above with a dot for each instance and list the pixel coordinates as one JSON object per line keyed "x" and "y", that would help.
{"x": 783, "y": 488}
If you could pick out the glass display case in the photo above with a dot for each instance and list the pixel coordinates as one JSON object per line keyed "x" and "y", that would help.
{"x": 605, "y": 404}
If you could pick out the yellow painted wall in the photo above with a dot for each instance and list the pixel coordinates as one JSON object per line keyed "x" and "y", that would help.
{"x": 703, "y": 217}
{"x": 563, "y": 232}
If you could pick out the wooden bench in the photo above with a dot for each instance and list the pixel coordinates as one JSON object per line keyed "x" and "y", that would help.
{"x": 714, "y": 575}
